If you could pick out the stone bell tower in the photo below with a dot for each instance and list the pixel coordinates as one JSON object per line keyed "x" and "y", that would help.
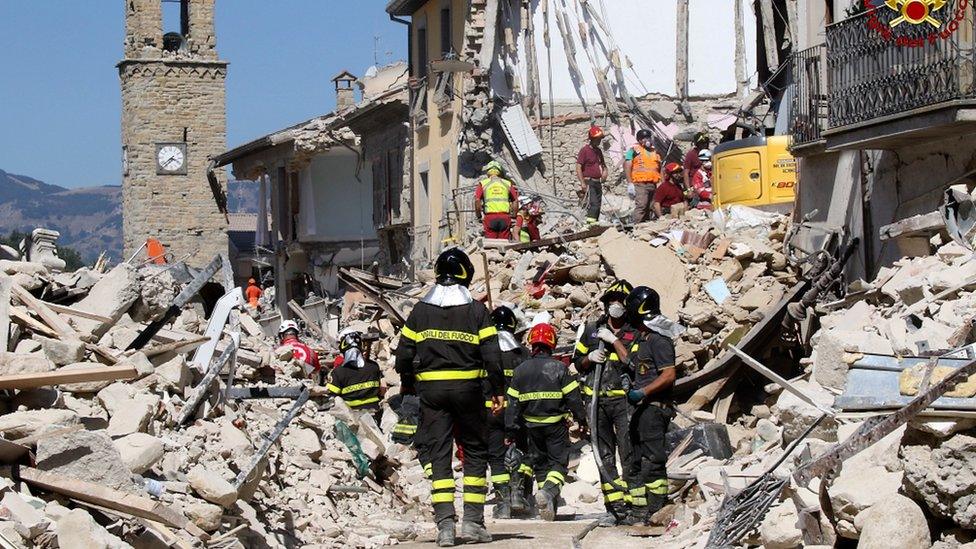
{"x": 173, "y": 121}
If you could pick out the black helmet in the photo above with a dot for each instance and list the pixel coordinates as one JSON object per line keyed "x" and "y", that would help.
{"x": 453, "y": 267}
{"x": 644, "y": 134}
{"x": 350, "y": 340}
{"x": 504, "y": 319}
{"x": 701, "y": 137}
{"x": 643, "y": 303}
{"x": 618, "y": 291}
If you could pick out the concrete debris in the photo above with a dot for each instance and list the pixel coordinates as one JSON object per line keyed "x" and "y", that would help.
{"x": 895, "y": 522}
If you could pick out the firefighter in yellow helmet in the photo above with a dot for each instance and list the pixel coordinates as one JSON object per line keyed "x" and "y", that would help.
{"x": 495, "y": 200}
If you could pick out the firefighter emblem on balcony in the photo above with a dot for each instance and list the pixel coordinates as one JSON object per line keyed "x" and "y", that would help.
{"x": 915, "y": 12}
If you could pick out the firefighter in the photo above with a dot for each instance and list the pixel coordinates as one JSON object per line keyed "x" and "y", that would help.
{"x": 495, "y": 201}
{"x": 613, "y": 412}
{"x": 357, "y": 381}
{"x": 456, "y": 346}
{"x": 652, "y": 366}
{"x": 542, "y": 396}
{"x": 512, "y": 354}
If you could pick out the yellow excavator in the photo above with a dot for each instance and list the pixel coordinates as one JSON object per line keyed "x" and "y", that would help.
{"x": 758, "y": 172}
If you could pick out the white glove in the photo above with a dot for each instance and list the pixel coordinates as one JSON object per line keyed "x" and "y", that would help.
{"x": 598, "y": 356}
{"x": 606, "y": 335}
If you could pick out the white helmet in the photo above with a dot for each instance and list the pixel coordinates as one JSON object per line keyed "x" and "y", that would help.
{"x": 705, "y": 155}
{"x": 288, "y": 325}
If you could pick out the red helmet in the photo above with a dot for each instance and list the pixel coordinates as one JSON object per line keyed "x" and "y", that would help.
{"x": 543, "y": 334}
{"x": 672, "y": 167}
{"x": 596, "y": 131}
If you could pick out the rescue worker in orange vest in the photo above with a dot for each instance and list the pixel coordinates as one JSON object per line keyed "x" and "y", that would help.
{"x": 642, "y": 165}
{"x": 495, "y": 200}
{"x": 253, "y": 293}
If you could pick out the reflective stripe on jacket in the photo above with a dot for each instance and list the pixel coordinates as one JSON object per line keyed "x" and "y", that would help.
{"x": 497, "y": 195}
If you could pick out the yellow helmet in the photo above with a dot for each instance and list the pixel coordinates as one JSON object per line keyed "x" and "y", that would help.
{"x": 494, "y": 166}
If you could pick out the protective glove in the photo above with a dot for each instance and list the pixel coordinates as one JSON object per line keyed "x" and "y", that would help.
{"x": 631, "y": 190}
{"x": 598, "y": 356}
{"x": 607, "y": 335}
{"x": 635, "y": 396}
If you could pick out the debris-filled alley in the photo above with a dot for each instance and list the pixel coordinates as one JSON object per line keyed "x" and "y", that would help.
{"x": 526, "y": 288}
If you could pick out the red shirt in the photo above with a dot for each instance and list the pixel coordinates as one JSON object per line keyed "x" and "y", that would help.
{"x": 303, "y": 352}
{"x": 668, "y": 194}
{"x": 692, "y": 163}
{"x": 591, "y": 159}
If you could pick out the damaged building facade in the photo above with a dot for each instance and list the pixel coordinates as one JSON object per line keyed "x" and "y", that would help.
{"x": 334, "y": 187}
{"x": 521, "y": 81}
{"x": 881, "y": 123}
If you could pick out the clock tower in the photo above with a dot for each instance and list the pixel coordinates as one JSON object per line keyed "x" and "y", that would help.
{"x": 173, "y": 122}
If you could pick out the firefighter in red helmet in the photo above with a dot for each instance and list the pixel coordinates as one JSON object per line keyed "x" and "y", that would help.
{"x": 542, "y": 396}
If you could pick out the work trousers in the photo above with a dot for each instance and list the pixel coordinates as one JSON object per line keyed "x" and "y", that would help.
{"x": 497, "y": 225}
{"x": 594, "y": 200}
{"x": 612, "y": 431}
{"x": 500, "y": 476}
{"x": 450, "y": 409}
{"x": 648, "y": 426}
{"x": 642, "y": 201}
{"x": 549, "y": 455}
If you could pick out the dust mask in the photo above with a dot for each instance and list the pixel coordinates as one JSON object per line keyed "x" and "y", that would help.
{"x": 353, "y": 357}
{"x": 616, "y": 310}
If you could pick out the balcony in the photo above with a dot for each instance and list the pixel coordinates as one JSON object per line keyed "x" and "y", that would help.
{"x": 883, "y": 87}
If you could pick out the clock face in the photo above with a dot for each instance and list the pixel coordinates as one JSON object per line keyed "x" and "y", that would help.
{"x": 170, "y": 158}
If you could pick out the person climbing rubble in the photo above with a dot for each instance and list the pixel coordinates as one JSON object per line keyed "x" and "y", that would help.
{"x": 542, "y": 395}
{"x": 653, "y": 366}
{"x": 288, "y": 337}
{"x": 528, "y": 218}
{"x": 456, "y": 345}
{"x": 642, "y": 166}
{"x": 357, "y": 380}
{"x": 512, "y": 354}
{"x": 613, "y": 412}
{"x": 591, "y": 171}
{"x": 669, "y": 198}
{"x": 495, "y": 201}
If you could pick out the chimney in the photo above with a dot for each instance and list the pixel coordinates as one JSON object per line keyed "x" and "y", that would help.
{"x": 345, "y": 91}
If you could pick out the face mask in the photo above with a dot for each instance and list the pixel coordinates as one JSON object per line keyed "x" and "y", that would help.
{"x": 616, "y": 310}
{"x": 648, "y": 144}
{"x": 352, "y": 357}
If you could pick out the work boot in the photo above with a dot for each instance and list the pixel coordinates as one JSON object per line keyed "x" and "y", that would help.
{"x": 637, "y": 516}
{"x": 546, "y": 504}
{"x": 503, "y": 505}
{"x": 474, "y": 532}
{"x": 445, "y": 533}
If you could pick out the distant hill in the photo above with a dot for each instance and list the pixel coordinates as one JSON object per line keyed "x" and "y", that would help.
{"x": 88, "y": 218}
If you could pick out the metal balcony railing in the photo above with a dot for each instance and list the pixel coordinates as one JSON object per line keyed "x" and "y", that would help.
{"x": 809, "y": 112}
{"x": 875, "y": 70}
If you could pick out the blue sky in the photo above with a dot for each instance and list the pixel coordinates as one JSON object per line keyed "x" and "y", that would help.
{"x": 59, "y": 97}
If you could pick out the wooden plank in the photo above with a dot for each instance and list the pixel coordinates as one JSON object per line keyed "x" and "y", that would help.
{"x": 71, "y": 311}
{"x": 63, "y": 377}
{"x": 779, "y": 380}
{"x": 22, "y": 317}
{"x": 681, "y": 51}
{"x": 178, "y": 347}
{"x": 916, "y": 225}
{"x": 396, "y": 317}
{"x": 49, "y": 317}
{"x": 309, "y": 323}
{"x": 769, "y": 34}
{"x": 571, "y": 237}
{"x": 115, "y": 500}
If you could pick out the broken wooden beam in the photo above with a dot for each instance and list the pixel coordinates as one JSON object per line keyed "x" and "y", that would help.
{"x": 115, "y": 500}
{"x": 270, "y": 439}
{"x": 561, "y": 239}
{"x": 374, "y": 295}
{"x": 203, "y": 388}
{"x": 63, "y": 377}
{"x": 71, "y": 311}
{"x": 309, "y": 323}
{"x": 41, "y": 309}
{"x": 779, "y": 380}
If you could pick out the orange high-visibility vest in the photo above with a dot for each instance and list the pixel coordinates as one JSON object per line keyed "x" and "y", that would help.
{"x": 645, "y": 167}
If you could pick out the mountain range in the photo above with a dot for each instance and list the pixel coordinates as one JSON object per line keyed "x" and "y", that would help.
{"x": 88, "y": 218}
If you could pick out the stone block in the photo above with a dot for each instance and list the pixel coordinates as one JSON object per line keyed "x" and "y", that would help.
{"x": 29, "y": 363}
{"x": 139, "y": 451}
{"x": 212, "y": 487}
{"x": 829, "y": 366}
{"x": 85, "y": 455}
{"x": 31, "y": 422}
{"x": 78, "y": 529}
{"x": 205, "y": 515}
{"x": 111, "y": 297}
{"x": 895, "y": 522}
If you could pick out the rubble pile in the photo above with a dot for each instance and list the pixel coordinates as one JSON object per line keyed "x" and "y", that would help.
{"x": 117, "y": 428}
